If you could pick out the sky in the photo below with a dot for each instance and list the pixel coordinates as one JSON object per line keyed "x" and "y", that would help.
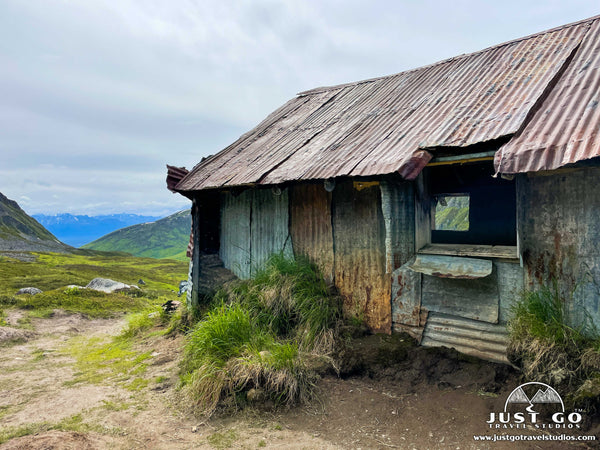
{"x": 97, "y": 96}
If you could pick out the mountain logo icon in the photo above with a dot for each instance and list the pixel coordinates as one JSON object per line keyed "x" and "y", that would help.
{"x": 544, "y": 394}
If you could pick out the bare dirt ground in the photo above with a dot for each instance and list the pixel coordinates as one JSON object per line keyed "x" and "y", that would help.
{"x": 431, "y": 399}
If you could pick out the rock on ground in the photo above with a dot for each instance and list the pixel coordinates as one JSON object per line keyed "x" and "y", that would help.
{"x": 29, "y": 290}
{"x": 109, "y": 286}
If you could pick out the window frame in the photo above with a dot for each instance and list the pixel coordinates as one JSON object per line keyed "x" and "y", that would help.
{"x": 425, "y": 239}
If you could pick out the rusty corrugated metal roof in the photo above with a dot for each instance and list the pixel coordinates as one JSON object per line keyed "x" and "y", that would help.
{"x": 566, "y": 128}
{"x": 174, "y": 176}
{"x": 395, "y": 123}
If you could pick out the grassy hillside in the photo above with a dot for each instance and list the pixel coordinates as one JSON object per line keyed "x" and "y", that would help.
{"x": 15, "y": 223}
{"x": 52, "y": 272}
{"x": 165, "y": 238}
{"x": 18, "y": 231}
{"x": 78, "y": 230}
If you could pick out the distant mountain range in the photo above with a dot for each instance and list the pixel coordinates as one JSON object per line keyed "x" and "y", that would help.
{"x": 77, "y": 230}
{"x": 164, "y": 238}
{"x": 21, "y": 232}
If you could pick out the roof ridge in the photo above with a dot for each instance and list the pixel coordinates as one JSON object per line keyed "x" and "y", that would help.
{"x": 321, "y": 89}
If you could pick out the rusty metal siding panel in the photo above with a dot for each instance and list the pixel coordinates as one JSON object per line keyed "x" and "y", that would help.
{"x": 311, "y": 226}
{"x": 474, "y": 299}
{"x": 559, "y": 227}
{"x": 235, "y": 251}
{"x": 359, "y": 243}
{"x": 381, "y": 126}
{"x": 457, "y": 267}
{"x": 565, "y": 128}
{"x": 270, "y": 227}
{"x": 174, "y": 176}
{"x": 472, "y": 337}
{"x": 398, "y": 209}
{"x": 406, "y": 296}
{"x": 510, "y": 286}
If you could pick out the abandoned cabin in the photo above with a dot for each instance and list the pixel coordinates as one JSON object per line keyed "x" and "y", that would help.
{"x": 430, "y": 198}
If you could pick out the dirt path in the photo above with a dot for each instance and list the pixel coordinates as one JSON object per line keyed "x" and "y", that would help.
{"x": 39, "y": 398}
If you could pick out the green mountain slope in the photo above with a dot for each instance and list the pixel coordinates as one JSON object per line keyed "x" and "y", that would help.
{"x": 20, "y": 232}
{"x": 165, "y": 238}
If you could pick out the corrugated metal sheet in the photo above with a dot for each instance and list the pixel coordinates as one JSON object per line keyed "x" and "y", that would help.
{"x": 471, "y": 337}
{"x": 406, "y": 296}
{"x": 174, "y": 176}
{"x": 398, "y": 209}
{"x": 566, "y": 127}
{"x": 359, "y": 243}
{"x": 445, "y": 266}
{"x": 475, "y": 299}
{"x": 311, "y": 226}
{"x": 254, "y": 225}
{"x": 510, "y": 286}
{"x": 235, "y": 250}
{"x": 270, "y": 226}
{"x": 559, "y": 229}
{"x": 381, "y": 126}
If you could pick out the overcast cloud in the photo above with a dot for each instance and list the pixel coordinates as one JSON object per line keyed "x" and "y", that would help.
{"x": 96, "y": 96}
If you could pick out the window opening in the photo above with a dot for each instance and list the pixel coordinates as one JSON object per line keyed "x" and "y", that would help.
{"x": 451, "y": 212}
{"x": 470, "y": 206}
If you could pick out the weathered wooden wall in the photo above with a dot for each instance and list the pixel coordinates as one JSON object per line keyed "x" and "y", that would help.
{"x": 311, "y": 225}
{"x": 360, "y": 263}
{"x": 254, "y": 225}
{"x": 559, "y": 232}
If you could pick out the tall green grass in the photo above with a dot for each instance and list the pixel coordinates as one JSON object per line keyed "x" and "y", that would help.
{"x": 547, "y": 344}
{"x": 258, "y": 335}
{"x": 545, "y": 315}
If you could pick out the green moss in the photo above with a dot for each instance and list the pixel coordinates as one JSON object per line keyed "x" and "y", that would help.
{"x": 72, "y": 423}
{"x": 221, "y": 440}
{"x": 137, "y": 384}
{"x": 100, "y": 361}
{"x": 115, "y": 406}
{"x": 55, "y": 271}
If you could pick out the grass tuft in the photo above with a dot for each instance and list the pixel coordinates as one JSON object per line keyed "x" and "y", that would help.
{"x": 549, "y": 347}
{"x": 258, "y": 336}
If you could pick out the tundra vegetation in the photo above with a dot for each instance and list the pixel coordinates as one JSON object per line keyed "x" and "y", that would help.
{"x": 554, "y": 341}
{"x": 262, "y": 339}
{"x": 98, "y": 359}
{"x": 53, "y": 272}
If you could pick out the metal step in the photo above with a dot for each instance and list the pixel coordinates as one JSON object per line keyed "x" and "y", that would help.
{"x": 472, "y": 337}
